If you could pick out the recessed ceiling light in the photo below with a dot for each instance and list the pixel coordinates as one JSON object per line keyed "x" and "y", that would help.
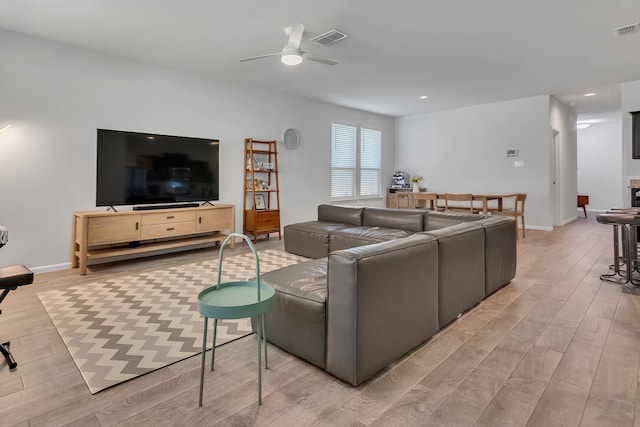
{"x": 589, "y": 94}
{"x": 583, "y": 124}
{"x": 424, "y": 97}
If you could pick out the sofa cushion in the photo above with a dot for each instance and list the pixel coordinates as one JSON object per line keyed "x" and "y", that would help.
{"x": 309, "y": 239}
{"x": 297, "y": 320}
{"x": 340, "y": 214}
{"x": 500, "y": 255}
{"x": 382, "y": 301}
{"x": 394, "y": 218}
{"x": 352, "y": 237}
{"x": 461, "y": 273}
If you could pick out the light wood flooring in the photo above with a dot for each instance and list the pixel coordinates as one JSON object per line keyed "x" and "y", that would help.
{"x": 555, "y": 347}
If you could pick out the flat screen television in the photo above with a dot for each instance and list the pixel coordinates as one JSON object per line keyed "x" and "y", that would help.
{"x": 144, "y": 169}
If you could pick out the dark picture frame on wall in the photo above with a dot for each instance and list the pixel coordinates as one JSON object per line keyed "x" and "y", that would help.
{"x": 635, "y": 134}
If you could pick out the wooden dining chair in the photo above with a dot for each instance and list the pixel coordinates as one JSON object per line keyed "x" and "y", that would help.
{"x": 466, "y": 198}
{"x": 517, "y": 211}
{"x": 426, "y": 198}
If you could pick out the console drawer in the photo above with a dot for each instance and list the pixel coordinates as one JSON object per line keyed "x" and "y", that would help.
{"x": 268, "y": 220}
{"x": 168, "y": 217}
{"x": 156, "y": 231}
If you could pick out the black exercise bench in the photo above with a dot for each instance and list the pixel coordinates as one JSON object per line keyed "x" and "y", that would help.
{"x": 10, "y": 278}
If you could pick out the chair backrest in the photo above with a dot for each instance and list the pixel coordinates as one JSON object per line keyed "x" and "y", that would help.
{"x": 426, "y": 197}
{"x": 518, "y": 203}
{"x": 466, "y": 197}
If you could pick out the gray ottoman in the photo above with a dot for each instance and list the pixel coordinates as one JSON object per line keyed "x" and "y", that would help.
{"x": 310, "y": 239}
{"x": 297, "y": 320}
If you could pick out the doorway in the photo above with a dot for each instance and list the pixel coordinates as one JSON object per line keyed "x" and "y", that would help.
{"x": 555, "y": 176}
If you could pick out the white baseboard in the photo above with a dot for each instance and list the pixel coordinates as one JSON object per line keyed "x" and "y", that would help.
{"x": 569, "y": 220}
{"x": 538, "y": 227}
{"x": 48, "y": 268}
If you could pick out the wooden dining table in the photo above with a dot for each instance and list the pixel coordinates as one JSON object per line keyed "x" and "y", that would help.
{"x": 433, "y": 197}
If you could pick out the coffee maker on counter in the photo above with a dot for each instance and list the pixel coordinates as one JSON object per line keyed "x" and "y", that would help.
{"x": 400, "y": 180}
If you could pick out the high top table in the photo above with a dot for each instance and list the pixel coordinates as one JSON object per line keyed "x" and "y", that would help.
{"x": 429, "y": 197}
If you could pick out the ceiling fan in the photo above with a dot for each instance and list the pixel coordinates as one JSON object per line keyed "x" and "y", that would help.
{"x": 291, "y": 53}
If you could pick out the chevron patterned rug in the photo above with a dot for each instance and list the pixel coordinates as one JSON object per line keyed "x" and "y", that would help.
{"x": 121, "y": 328}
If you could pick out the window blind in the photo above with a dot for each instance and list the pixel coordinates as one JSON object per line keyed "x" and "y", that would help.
{"x": 370, "y": 162}
{"x": 356, "y": 162}
{"x": 343, "y": 161}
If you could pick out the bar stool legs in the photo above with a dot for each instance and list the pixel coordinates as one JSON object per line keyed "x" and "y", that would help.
{"x": 627, "y": 223}
{"x": 618, "y": 276}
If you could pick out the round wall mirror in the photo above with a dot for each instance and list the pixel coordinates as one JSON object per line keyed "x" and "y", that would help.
{"x": 291, "y": 139}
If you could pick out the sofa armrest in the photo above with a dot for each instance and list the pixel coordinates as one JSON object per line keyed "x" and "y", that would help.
{"x": 382, "y": 302}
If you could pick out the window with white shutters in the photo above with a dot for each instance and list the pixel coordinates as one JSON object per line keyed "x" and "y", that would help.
{"x": 356, "y": 162}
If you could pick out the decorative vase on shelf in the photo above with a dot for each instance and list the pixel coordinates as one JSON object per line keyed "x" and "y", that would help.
{"x": 416, "y": 187}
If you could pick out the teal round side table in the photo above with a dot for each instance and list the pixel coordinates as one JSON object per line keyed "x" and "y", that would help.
{"x": 235, "y": 300}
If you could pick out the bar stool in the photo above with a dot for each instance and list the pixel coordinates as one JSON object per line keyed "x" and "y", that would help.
{"x": 628, "y": 223}
{"x": 622, "y": 258}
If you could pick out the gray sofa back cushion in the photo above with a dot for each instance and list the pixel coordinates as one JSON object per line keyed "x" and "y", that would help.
{"x": 394, "y": 218}
{"x": 437, "y": 220}
{"x": 461, "y": 281}
{"x": 432, "y": 222}
{"x": 341, "y": 214}
{"x": 500, "y": 251}
{"x": 382, "y": 301}
{"x": 359, "y": 236}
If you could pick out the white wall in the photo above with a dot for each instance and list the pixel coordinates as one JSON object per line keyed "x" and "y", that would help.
{"x": 463, "y": 150}
{"x": 56, "y": 96}
{"x": 630, "y": 166}
{"x": 563, "y": 120}
{"x": 600, "y": 163}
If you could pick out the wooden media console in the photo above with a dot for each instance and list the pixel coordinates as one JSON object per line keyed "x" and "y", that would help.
{"x": 111, "y": 236}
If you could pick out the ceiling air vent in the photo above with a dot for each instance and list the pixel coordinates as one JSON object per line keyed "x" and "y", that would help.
{"x": 627, "y": 30}
{"x": 330, "y": 37}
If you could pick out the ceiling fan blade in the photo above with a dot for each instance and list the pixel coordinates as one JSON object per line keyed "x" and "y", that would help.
{"x": 259, "y": 57}
{"x": 295, "y": 34}
{"x": 316, "y": 58}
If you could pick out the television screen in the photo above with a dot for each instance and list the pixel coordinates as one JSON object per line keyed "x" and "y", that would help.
{"x": 142, "y": 168}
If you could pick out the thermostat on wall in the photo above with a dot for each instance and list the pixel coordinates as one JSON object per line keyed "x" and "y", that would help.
{"x": 511, "y": 152}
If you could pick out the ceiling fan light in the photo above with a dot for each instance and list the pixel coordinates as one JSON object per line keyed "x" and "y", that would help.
{"x": 290, "y": 56}
{"x": 291, "y": 59}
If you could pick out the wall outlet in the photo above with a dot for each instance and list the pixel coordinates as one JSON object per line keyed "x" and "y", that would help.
{"x": 518, "y": 164}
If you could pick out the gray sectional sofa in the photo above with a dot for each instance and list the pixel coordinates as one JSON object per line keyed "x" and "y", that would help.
{"x": 382, "y": 281}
